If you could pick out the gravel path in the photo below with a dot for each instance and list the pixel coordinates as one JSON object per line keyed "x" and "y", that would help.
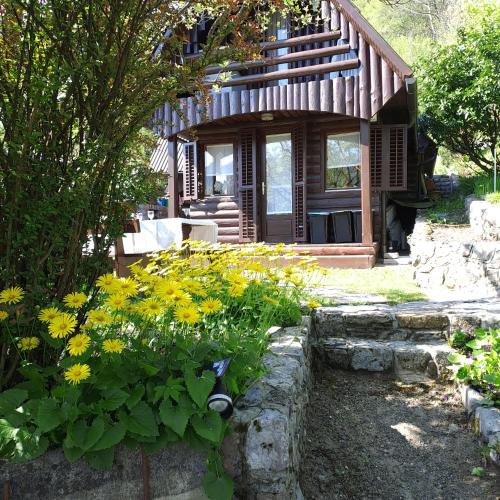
{"x": 369, "y": 437}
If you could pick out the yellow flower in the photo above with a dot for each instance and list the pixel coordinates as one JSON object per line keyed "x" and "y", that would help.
{"x": 78, "y": 344}
{"x": 48, "y": 314}
{"x": 236, "y": 279}
{"x": 3, "y": 315}
{"x": 113, "y": 345}
{"x": 210, "y": 306}
{"x": 11, "y": 295}
{"x": 313, "y": 304}
{"x": 255, "y": 267}
{"x": 150, "y": 307}
{"x": 194, "y": 287}
{"x": 62, "y": 325}
{"x": 187, "y": 315}
{"x": 126, "y": 286}
{"x": 77, "y": 373}
{"x": 166, "y": 289}
{"x": 181, "y": 299}
{"x": 106, "y": 282}
{"x": 75, "y": 300}
{"x": 236, "y": 290}
{"x": 272, "y": 301}
{"x": 28, "y": 343}
{"x": 117, "y": 301}
{"x": 99, "y": 317}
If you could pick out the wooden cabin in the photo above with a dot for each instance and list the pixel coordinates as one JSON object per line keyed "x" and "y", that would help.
{"x": 323, "y": 123}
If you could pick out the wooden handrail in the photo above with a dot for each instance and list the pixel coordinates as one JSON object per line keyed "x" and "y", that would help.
{"x": 286, "y": 58}
{"x": 316, "y": 69}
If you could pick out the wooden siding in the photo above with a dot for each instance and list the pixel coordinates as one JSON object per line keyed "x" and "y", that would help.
{"x": 225, "y": 211}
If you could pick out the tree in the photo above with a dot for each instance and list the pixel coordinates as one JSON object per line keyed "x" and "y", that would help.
{"x": 79, "y": 82}
{"x": 460, "y": 91}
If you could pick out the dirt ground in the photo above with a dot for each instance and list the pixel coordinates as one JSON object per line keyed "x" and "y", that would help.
{"x": 369, "y": 437}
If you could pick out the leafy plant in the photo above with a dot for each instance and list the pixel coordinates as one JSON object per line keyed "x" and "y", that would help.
{"x": 493, "y": 198}
{"x": 137, "y": 368}
{"x": 478, "y": 363}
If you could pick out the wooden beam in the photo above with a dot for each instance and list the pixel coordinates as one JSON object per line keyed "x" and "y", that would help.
{"x": 288, "y": 42}
{"x": 173, "y": 179}
{"x": 286, "y": 58}
{"x": 366, "y": 191}
{"x": 316, "y": 69}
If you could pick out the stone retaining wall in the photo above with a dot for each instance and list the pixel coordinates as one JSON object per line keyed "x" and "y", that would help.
{"x": 262, "y": 454}
{"x": 446, "y": 184}
{"x": 484, "y": 219}
{"x": 468, "y": 266}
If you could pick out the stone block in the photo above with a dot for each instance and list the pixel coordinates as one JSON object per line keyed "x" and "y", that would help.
{"x": 422, "y": 321}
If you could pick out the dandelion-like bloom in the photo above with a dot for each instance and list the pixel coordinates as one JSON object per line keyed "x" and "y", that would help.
{"x": 75, "y": 300}
{"x": 77, "y": 373}
{"x": 117, "y": 301}
{"x": 236, "y": 290}
{"x": 313, "y": 304}
{"x": 126, "y": 286}
{"x": 62, "y": 325}
{"x": 166, "y": 289}
{"x": 194, "y": 287}
{"x": 11, "y": 295}
{"x": 150, "y": 307}
{"x": 106, "y": 282}
{"x": 99, "y": 317}
{"x": 78, "y": 344}
{"x": 3, "y": 315}
{"x": 48, "y": 314}
{"x": 236, "y": 279}
{"x": 28, "y": 343}
{"x": 181, "y": 299}
{"x": 187, "y": 315}
{"x": 211, "y": 306}
{"x": 113, "y": 345}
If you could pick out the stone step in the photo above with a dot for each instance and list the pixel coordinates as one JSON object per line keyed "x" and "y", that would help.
{"x": 409, "y": 361}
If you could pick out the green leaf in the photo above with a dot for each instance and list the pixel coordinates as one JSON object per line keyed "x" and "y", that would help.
{"x": 102, "y": 459}
{"x": 29, "y": 446}
{"x": 141, "y": 420}
{"x": 11, "y": 399}
{"x": 49, "y": 415}
{"x": 166, "y": 437}
{"x": 135, "y": 396}
{"x": 493, "y": 379}
{"x": 218, "y": 488}
{"x": 474, "y": 344}
{"x": 72, "y": 454}
{"x": 208, "y": 426}
{"x": 199, "y": 388}
{"x": 111, "y": 437}
{"x": 478, "y": 471}
{"x": 149, "y": 369}
{"x": 463, "y": 373}
{"x": 113, "y": 399}
{"x": 94, "y": 433}
{"x": 174, "y": 417}
{"x": 456, "y": 358}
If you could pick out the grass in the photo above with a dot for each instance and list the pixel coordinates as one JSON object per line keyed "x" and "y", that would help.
{"x": 395, "y": 283}
{"x": 448, "y": 210}
{"x": 493, "y": 198}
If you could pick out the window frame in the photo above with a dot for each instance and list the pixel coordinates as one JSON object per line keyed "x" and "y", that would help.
{"x": 324, "y": 159}
{"x": 222, "y": 141}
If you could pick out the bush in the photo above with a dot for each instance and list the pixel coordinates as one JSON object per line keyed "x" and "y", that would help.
{"x": 478, "y": 362}
{"x": 136, "y": 366}
{"x": 493, "y": 198}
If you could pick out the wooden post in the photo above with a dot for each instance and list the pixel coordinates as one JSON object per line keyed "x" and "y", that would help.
{"x": 173, "y": 179}
{"x": 366, "y": 190}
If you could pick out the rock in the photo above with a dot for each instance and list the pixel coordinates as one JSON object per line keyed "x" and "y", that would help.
{"x": 452, "y": 428}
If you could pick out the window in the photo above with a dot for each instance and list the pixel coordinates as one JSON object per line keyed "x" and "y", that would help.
{"x": 278, "y": 30}
{"x": 279, "y": 174}
{"x": 219, "y": 171}
{"x": 342, "y": 161}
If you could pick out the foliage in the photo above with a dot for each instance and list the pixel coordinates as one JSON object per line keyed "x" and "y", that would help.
{"x": 447, "y": 210}
{"x": 493, "y": 198}
{"x": 460, "y": 91}
{"x": 138, "y": 370}
{"x": 79, "y": 82}
{"x": 478, "y": 362}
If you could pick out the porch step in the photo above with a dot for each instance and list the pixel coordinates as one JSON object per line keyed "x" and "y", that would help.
{"x": 410, "y": 362}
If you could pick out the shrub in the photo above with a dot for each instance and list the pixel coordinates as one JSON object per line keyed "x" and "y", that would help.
{"x": 478, "y": 362}
{"x": 493, "y": 198}
{"x": 135, "y": 368}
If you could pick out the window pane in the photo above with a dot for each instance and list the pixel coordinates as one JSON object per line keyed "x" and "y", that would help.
{"x": 279, "y": 174}
{"x": 342, "y": 161}
{"x": 219, "y": 170}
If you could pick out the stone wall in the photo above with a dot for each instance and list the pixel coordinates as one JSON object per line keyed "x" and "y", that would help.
{"x": 484, "y": 219}
{"x": 472, "y": 267}
{"x": 262, "y": 454}
{"x": 446, "y": 184}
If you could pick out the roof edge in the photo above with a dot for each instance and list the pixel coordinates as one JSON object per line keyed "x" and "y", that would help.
{"x": 373, "y": 37}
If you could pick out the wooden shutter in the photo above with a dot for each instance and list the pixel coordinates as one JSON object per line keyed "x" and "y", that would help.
{"x": 190, "y": 171}
{"x": 247, "y": 173}
{"x": 388, "y": 157}
{"x": 299, "y": 183}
